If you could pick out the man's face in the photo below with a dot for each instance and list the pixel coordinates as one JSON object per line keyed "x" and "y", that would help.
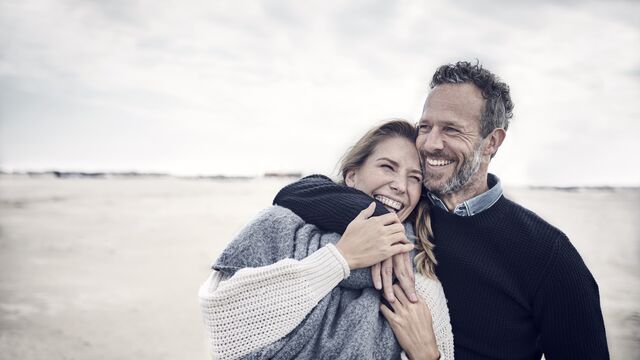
{"x": 449, "y": 138}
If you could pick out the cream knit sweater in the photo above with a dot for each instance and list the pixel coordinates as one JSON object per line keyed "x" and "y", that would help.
{"x": 258, "y": 306}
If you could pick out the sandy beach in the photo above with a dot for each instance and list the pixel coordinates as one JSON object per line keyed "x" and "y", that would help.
{"x": 109, "y": 268}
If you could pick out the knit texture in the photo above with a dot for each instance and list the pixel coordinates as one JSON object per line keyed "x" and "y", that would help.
{"x": 275, "y": 296}
{"x": 516, "y": 286}
{"x": 320, "y": 201}
{"x": 258, "y": 306}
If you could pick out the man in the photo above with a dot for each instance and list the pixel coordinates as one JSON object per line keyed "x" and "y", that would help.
{"x": 515, "y": 285}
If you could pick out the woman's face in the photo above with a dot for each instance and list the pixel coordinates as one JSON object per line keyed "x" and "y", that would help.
{"x": 391, "y": 175}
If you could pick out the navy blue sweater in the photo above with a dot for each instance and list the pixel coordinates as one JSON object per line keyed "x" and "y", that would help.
{"x": 516, "y": 287}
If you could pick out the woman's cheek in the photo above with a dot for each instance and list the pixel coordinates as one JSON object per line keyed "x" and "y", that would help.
{"x": 415, "y": 193}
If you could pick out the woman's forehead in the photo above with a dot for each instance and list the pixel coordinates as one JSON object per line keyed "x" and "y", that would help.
{"x": 397, "y": 149}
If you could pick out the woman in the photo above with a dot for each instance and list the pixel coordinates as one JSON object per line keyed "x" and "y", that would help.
{"x": 284, "y": 289}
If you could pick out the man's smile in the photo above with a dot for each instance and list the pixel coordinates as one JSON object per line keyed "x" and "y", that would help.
{"x": 438, "y": 162}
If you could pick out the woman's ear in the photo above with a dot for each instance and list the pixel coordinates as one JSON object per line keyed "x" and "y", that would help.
{"x": 350, "y": 179}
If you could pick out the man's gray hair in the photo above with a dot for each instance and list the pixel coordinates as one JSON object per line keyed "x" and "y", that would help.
{"x": 498, "y": 108}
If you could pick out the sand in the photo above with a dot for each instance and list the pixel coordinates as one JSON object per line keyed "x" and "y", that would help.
{"x": 109, "y": 268}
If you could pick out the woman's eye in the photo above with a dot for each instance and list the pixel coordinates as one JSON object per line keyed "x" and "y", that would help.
{"x": 416, "y": 179}
{"x": 385, "y": 166}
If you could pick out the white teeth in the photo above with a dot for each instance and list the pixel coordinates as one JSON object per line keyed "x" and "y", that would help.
{"x": 434, "y": 162}
{"x": 396, "y": 205}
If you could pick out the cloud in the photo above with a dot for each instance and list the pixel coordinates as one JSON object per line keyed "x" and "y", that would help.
{"x": 250, "y": 86}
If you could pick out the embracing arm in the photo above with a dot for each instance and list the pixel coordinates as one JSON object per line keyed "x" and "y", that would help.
{"x": 567, "y": 308}
{"x": 320, "y": 201}
{"x": 258, "y": 306}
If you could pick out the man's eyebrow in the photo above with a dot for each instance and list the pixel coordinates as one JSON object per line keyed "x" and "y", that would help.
{"x": 450, "y": 123}
{"x": 441, "y": 123}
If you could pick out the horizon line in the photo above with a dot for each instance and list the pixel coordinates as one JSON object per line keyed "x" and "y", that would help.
{"x": 269, "y": 174}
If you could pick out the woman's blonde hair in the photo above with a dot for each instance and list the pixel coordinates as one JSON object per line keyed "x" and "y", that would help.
{"x": 356, "y": 157}
{"x": 425, "y": 259}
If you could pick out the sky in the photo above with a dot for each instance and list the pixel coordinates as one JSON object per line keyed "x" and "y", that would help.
{"x": 247, "y": 87}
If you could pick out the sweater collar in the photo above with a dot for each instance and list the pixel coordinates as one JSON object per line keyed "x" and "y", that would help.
{"x": 476, "y": 204}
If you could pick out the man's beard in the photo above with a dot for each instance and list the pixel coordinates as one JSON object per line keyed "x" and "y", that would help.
{"x": 458, "y": 180}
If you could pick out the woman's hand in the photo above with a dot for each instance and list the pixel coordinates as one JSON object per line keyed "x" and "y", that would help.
{"x": 412, "y": 325}
{"x": 382, "y": 276}
{"x": 369, "y": 240}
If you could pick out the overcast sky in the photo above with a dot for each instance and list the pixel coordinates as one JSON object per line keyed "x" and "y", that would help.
{"x": 244, "y": 87}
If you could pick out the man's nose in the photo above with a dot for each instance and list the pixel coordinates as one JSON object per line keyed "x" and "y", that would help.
{"x": 433, "y": 141}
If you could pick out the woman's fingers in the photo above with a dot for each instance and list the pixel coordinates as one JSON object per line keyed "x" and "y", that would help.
{"x": 387, "y": 313}
{"x": 404, "y": 274}
{"x": 375, "y": 276}
{"x": 394, "y": 228}
{"x": 368, "y": 241}
{"x": 366, "y": 213}
{"x": 398, "y": 248}
{"x": 399, "y": 238}
{"x": 400, "y": 295}
{"x": 388, "y": 219}
{"x": 387, "y": 279}
{"x": 409, "y": 264}
{"x": 412, "y": 326}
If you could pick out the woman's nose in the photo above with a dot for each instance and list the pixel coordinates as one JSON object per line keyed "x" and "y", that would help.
{"x": 399, "y": 185}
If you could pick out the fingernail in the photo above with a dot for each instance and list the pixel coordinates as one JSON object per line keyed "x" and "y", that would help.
{"x": 377, "y": 286}
{"x": 413, "y": 297}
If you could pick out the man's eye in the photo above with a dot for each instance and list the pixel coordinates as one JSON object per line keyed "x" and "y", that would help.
{"x": 450, "y": 129}
{"x": 424, "y": 128}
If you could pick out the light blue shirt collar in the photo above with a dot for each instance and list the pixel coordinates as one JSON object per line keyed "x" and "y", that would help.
{"x": 476, "y": 204}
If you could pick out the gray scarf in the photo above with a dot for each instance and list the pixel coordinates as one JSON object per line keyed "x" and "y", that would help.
{"x": 346, "y": 323}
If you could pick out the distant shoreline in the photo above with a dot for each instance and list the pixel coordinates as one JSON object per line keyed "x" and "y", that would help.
{"x": 134, "y": 174}
{"x": 270, "y": 175}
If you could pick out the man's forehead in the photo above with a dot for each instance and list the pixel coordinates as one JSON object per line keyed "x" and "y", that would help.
{"x": 456, "y": 93}
{"x": 453, "y": 101}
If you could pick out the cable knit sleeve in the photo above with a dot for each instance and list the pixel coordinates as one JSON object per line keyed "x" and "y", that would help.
{"x": 431, "y": 291}
{"x": 258, "y": 306}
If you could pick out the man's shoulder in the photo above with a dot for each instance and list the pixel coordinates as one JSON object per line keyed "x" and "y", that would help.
{"x": 537, "y": 244}
{"x": 529, "y": 221}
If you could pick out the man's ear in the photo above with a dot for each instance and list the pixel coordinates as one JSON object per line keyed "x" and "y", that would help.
{"x": 350, "y": 179}
{"x": 495, "y": 139}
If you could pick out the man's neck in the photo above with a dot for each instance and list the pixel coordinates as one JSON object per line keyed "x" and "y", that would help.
{"x": 475, "y": 187}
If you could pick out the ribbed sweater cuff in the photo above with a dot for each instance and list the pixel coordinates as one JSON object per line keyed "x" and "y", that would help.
{"x": 324, "y": 269}
{"x": 345, "y": 266}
